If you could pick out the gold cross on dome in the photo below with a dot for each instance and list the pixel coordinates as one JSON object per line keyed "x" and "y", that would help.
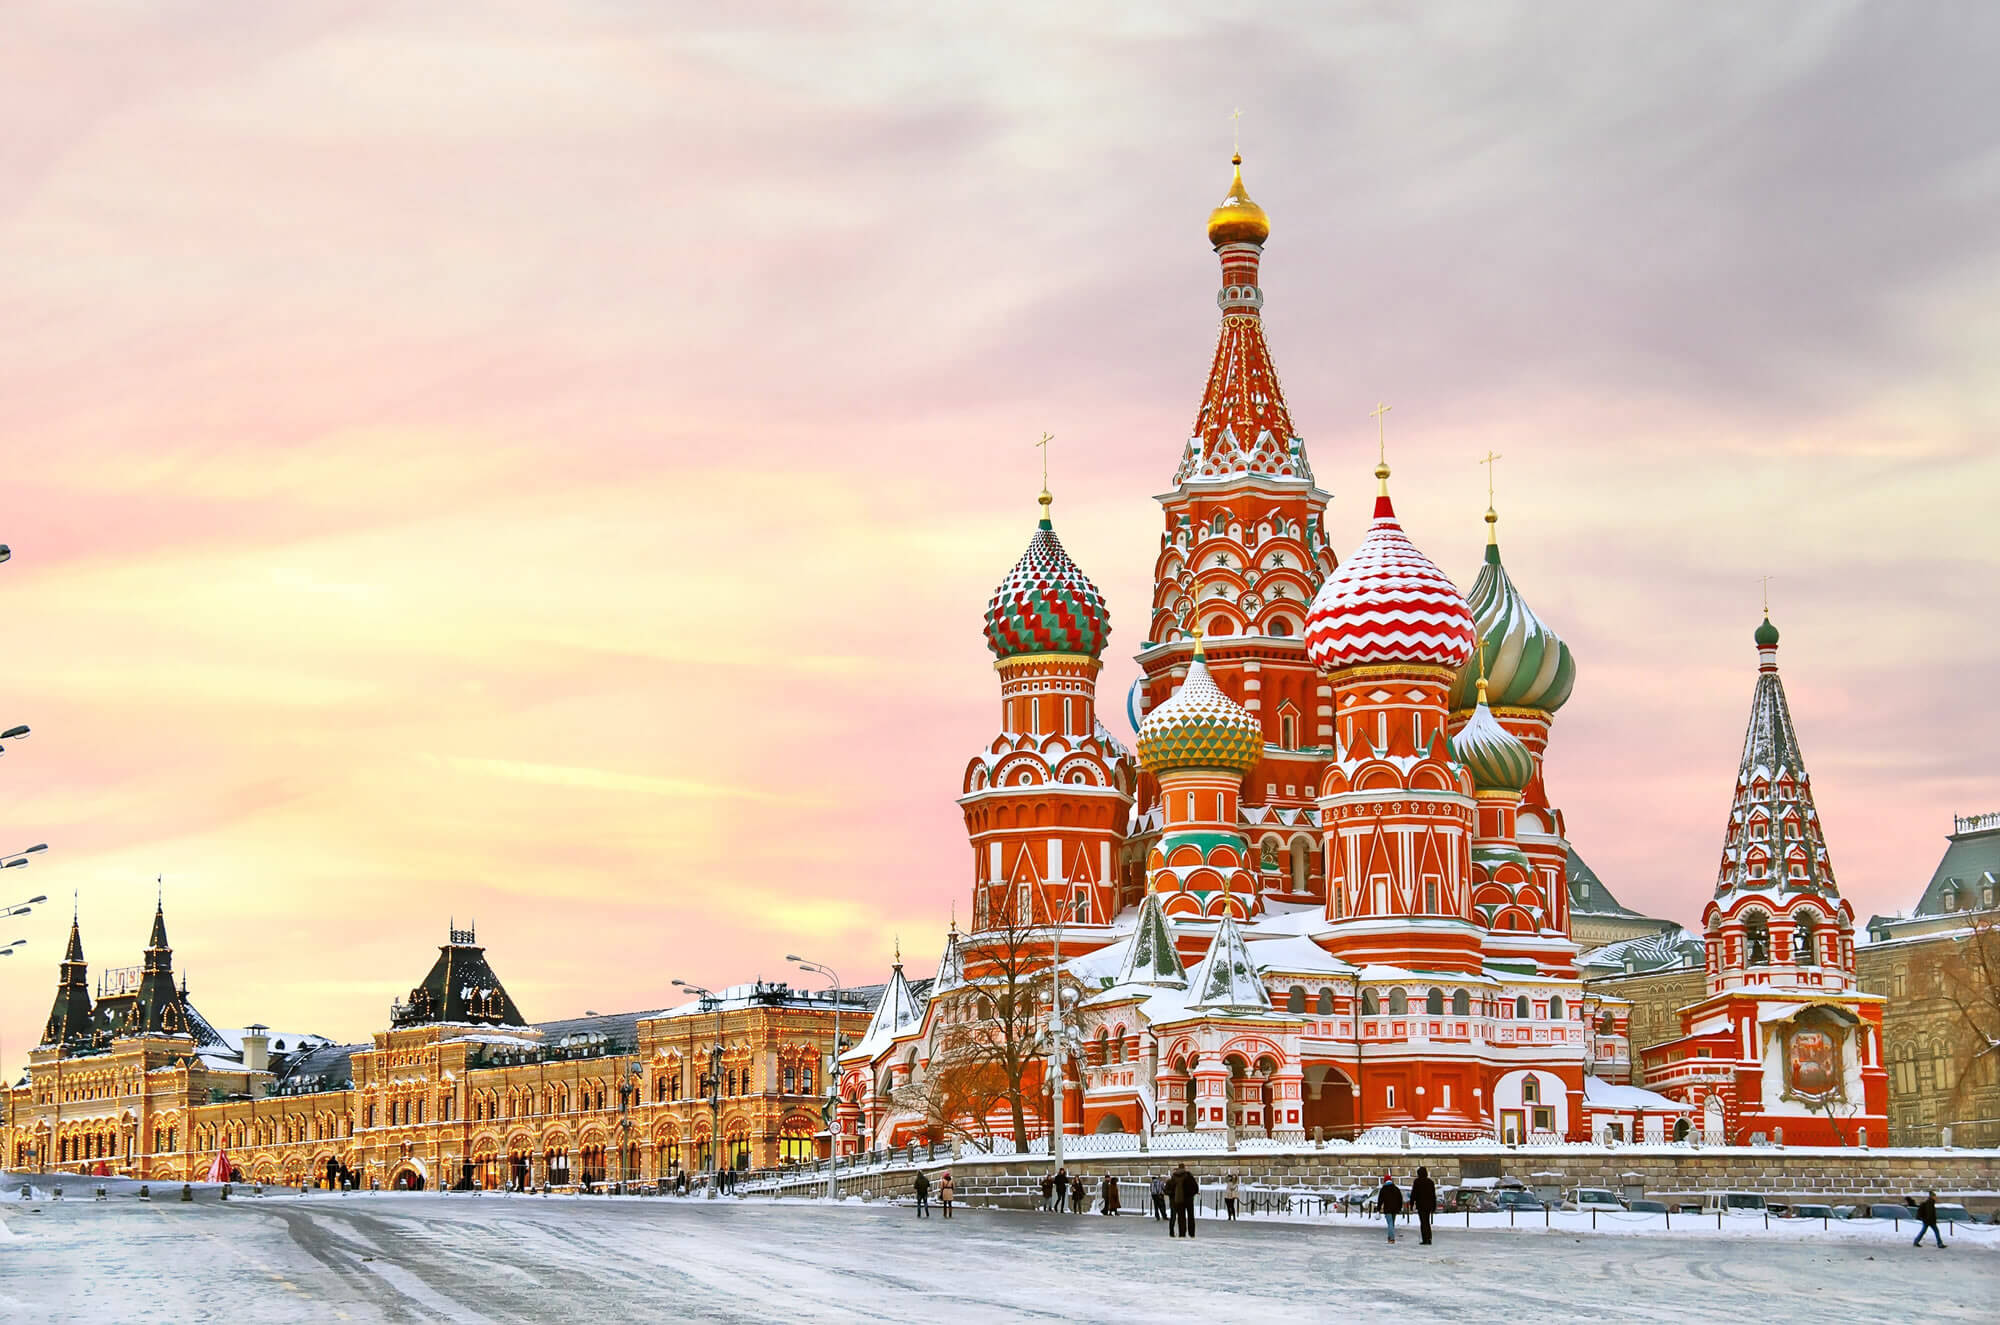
{"x": 1767, "y": 597}
{"x": 1236, "y": 131}
{"x": 1047, "y": 437}
{"x": 1381, "y": 431}
{"x": 1487, "y": 460}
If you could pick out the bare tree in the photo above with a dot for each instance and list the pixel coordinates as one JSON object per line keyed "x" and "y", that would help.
{"x": 1970, "y": 980}
{"x": 992, "y": 1035}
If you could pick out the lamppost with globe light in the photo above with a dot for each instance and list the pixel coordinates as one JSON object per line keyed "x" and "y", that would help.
{"x": 832, "y": 1074}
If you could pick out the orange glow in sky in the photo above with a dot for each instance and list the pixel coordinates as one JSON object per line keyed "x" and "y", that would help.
{"x": 544, "y": 467}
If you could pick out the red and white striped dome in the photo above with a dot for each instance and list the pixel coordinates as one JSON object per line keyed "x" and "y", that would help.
{"x": 1388, "y": 603}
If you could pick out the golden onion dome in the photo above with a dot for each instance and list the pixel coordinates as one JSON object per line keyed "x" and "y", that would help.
{"x": 1238, "y": 220}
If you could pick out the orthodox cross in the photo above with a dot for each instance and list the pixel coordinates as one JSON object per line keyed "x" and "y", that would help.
{"x": 1487, "y": 460}
{"x": 1767, "y": 597}
{"x": 1047, "y": 437}
{"x": 1236, "y": 131}
{"x": 1381, "y": 431}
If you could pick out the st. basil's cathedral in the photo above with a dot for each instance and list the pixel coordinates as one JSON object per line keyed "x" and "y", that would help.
{"x": 1329, "y": 892}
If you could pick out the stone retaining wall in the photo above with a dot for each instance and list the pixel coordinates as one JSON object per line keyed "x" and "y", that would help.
{"x": 1837, "y": 1175}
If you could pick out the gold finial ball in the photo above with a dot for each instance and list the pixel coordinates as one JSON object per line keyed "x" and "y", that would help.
{"x": 1382, "y": 470}
{"x": 1238, "y": 220}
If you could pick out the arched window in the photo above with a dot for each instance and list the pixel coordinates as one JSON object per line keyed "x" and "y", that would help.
{"x": 1756, "y": 940}
{"x": 1370, "y": 1005}
{"x": 1806, "y": 940}
{"x": 1461, "y": 1003}
{"x": 1220, "y": 525}
{"x": 1399, "y": 1003}
{"x": 1325, "y": 1008}
{"x": 1521, "y": 1007}
{"x": 1434, "y": 1003}
{"x": 1556, "y": 1008}
{"x": 1531, "y": 1089}
{"x": 1295, "y": 1001}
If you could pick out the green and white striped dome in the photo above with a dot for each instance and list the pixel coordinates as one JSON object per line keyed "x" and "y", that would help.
{"x": 1495, "y": 757}
{"x": 1527, "y": 664}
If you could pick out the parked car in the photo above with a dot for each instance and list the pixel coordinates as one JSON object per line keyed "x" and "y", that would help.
{"x": 1733, "y": 1202}
{"x": 1514, "y": 1198}
{"x": 1850, "y": 1212}
{"x": 1886, "y": 1210}
{"x": 1594, "y": 1198}
{"x": 1648, "y": 1207}
{"x": 1955, "y": 1213}
{"x": 1809, "y": 1211}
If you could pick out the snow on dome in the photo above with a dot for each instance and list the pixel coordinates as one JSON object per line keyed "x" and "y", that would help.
{"x": 1527, "y": 664}
{"x": 1046, "y": 605}
{"x": 1496, "y": 757}
{"x": 1200, "y": 727}
{"x": 1388, "y": 603}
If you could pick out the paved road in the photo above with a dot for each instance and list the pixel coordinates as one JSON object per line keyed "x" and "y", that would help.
{"x": 423, "y": 1257}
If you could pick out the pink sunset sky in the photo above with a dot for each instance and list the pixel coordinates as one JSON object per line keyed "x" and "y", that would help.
{"x": 544, "y": 465}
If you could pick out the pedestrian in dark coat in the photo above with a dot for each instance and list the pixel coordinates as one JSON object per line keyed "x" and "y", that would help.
{"x": 1078, "y": 1202}
{"x": 1424, "y": 1196}
{"x": 1047, "y": 1184}
{"x": 922, "y": 1187}
{"x": 1159, "y": 1194}
{"x": 1109, "y": 1192}
{"x": 1927, "y": 1214}
{"x": 1389, "y": 1200}
{"x": 1183, "y": 1189}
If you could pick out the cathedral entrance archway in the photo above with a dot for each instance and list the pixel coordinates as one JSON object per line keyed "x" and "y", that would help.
{"x": 1329, "y": 1101}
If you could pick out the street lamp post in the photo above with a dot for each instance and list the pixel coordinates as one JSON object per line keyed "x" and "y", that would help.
{"x": 832, "y": 1075}
{"x": 628, "y": 1086}
{"x": 708, "y": 997}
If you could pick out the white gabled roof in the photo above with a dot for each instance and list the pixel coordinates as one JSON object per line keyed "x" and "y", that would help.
{"x": 1227, "y": 980}
{"x": 951, "y": 966}
{"x": 1150, "y": 958}
{"x": 897, "y": 1014}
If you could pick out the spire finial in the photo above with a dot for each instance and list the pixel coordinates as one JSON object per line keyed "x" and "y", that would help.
{"x": 1492, "y": 516}
{"x": 899, "y": 949}
{"x": 1236, "y": 135}
{"x": 75, "y": 907}
{"x": 1767, "y": 598}
{"x": 1195, "y": 632}
{"x": 1381, "y": 412}
{"x": 159, "y": 892}
{"x": 1482, "y": 669}
{"x": 1045, "y": 499}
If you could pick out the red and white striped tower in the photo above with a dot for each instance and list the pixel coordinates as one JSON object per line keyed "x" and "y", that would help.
{"x": 1396, "y": 808}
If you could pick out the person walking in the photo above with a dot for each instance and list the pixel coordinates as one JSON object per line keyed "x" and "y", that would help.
{"x": 1424, "y": 1198}
{"x": 1927, "y": 1214}
{"x": 1078, "y": 1201}
{"x": 1159, "y": 1194}
{"x": 944, "y": 1193}
{"x": 922, "y": 1187}
{"x": 1389, "y": 1200}
{"x": 1229, "y": 1190}
{"x": 1109, "y": 1193}
{"x": 1182, "y": 1191}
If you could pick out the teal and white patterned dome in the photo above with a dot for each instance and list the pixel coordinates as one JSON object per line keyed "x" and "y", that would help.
{"x": 1495, "y": 757}
{"x": 1527, "y": 664}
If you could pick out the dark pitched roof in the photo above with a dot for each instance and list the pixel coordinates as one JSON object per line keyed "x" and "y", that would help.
{"x": 1971, "y": 863}
{"x": 1587, "y": 893}
{"x": 461, "y": 989}
{"x": 324, "y": 1067}
{"x": 72, "y": 1018}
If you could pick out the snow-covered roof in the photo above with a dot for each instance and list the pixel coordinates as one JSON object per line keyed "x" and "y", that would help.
{"x": 897, "y": 1014}
{"x": 1227, "y": 979}
{"x": 1150, "y": 958}
{"x": 1603, "y": 1095}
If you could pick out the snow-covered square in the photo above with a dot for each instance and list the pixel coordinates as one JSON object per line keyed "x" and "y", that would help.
{"x": 396, "y": 1257}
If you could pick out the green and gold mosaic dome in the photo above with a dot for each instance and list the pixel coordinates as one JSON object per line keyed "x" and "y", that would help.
{"x": 1200, "y": 727}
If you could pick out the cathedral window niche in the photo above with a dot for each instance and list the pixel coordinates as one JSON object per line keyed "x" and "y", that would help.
{"x": 1756, "y": 941}
{"x": 1461, "y": 1004}
{"x": 1399, "y": 1003}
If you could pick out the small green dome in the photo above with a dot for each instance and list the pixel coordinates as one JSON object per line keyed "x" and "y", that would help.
{"x": 1527, "y": 664}
{"x": 1495, "y": 757}
{"x": 1200, "y": 727}
{"x": 1767, "y": 635}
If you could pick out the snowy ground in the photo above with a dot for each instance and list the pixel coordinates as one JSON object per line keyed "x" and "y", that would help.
{"x": 492, "y": 1258}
